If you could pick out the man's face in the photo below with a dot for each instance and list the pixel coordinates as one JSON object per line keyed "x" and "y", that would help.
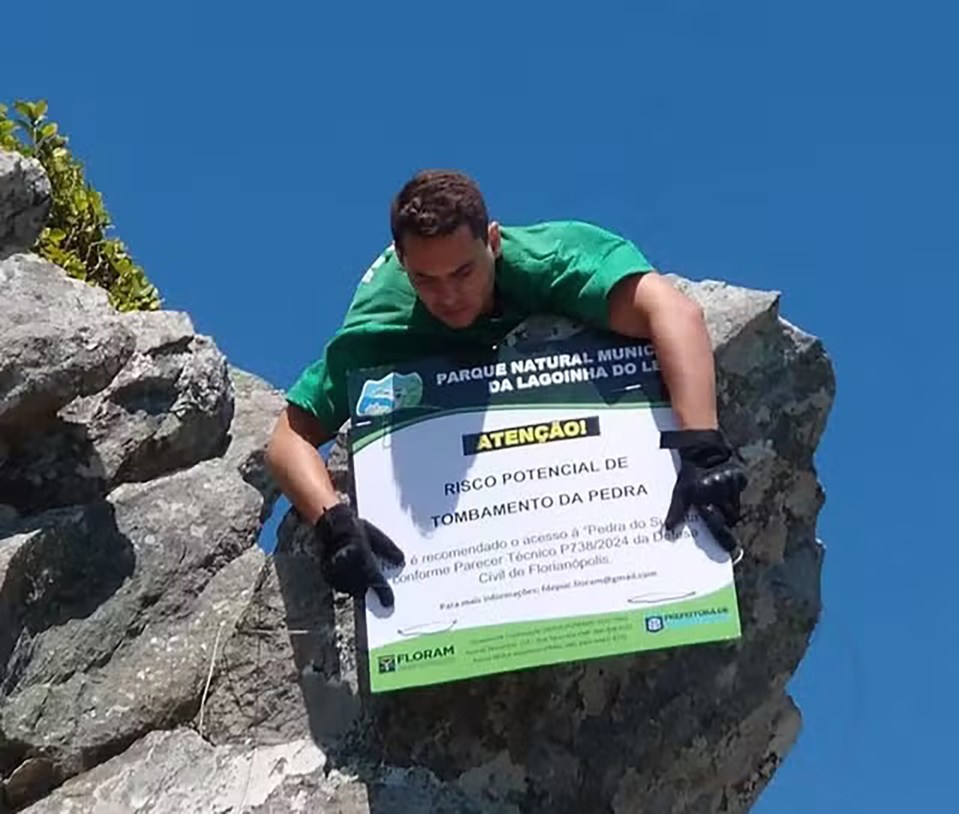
{"x": 453, "y": 274}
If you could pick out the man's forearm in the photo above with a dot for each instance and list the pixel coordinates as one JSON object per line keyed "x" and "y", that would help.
{"x": 298, "y": 468}
{"x": 650, "y": 307}
{"x": 686, "y": 360}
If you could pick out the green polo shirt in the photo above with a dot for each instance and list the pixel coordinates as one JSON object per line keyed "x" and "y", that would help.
{"x": 564, "y": 268}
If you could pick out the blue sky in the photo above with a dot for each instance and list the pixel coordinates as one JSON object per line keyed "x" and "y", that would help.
{"x": 248, "y": 155}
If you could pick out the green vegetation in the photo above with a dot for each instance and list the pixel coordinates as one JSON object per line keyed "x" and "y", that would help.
{"x": 75, "y": 237}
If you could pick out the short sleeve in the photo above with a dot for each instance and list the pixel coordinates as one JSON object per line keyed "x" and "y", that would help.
{"x": 322, "y": 388}
{"x": 318, "y": 393}
{"x": 587, "y": 263}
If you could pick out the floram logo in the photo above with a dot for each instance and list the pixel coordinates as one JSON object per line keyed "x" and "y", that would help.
{"x": 387, "y": 664}
{"x": 540, "y": 433}
{"x": 398, "y": 661}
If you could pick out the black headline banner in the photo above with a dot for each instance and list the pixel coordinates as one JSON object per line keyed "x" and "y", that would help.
{"x": 526, "y": 434}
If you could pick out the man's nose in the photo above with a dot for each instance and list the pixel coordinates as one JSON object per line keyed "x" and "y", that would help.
{"x": 447, "y": 295}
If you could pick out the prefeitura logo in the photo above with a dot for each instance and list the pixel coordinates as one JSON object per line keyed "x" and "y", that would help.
{"x": 397, "y": 661}
{"x": 703, "y": 616}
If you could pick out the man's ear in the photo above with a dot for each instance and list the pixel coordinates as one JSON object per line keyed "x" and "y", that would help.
{"x": 495, "y": 242}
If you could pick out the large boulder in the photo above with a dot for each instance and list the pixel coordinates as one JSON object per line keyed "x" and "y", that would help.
{"x": 153, "y": 658}
{"x": 256, "y": 407}
{"x": 59, "y": 339}
{"x": 183, "y": 626}
{"x": 177, "y": 772}
{"x": 113, "y": 610}
{"x": 691, "y": 729}
{"x": 25, "y": 199}
{"x": 168, "y": 407}
{"x": 132, "y": 493}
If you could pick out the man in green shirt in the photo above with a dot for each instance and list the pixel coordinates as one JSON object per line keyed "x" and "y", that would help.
{"x": 453, "y": 280}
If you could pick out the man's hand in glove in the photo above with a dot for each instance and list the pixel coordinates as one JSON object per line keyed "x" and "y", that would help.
{"x": 349, "y": 544}
{"x": 711, "y": 479}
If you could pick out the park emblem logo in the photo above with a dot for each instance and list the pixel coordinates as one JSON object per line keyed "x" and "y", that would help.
{"x": 395, "y": 391}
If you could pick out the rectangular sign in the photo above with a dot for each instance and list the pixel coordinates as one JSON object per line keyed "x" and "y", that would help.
{"x": 527, "y": 490}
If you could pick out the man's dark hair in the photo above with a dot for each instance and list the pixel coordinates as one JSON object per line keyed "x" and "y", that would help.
{"x": 434, "y": 203}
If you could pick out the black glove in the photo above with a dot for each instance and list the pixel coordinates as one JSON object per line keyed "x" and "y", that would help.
{"x": 348, "y": 547}
{"x": 711, "y": 478}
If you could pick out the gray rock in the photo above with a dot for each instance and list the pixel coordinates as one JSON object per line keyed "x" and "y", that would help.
{"x": 112, "y": 611}
{"x": 177, "y": 772}
{"x": 258, "y": 405}
{"x": 59, "y": 339}
{"x": 133, "y": 493}
{"x": 290, "y": 670}
{"x": 160, "y": 332}
{"x": 384, "y": 791}
{"x": 153, "y": 659}
{"x": 418, "y": 791}
{"x": 7, "y": 513}
{"x": 25, "y": 199}
{"x": 684, "y": 730}
{"x": 169, "y": 407}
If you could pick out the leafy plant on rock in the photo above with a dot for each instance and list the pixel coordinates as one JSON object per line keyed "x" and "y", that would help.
{"x": 75, "y": 236}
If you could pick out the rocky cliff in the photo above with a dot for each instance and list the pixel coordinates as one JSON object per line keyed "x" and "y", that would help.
{"x": 152, "y": 658}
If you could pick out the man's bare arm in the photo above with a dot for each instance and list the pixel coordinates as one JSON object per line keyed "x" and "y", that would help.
{"x": 648, "y": 306}
{"x": 296, "y": 464}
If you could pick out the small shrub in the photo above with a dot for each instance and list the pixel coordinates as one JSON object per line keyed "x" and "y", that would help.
{"x": 75, "y": 236}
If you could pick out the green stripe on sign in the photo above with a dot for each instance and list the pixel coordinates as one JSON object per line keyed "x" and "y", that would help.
{"x": 442, "y": 657}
